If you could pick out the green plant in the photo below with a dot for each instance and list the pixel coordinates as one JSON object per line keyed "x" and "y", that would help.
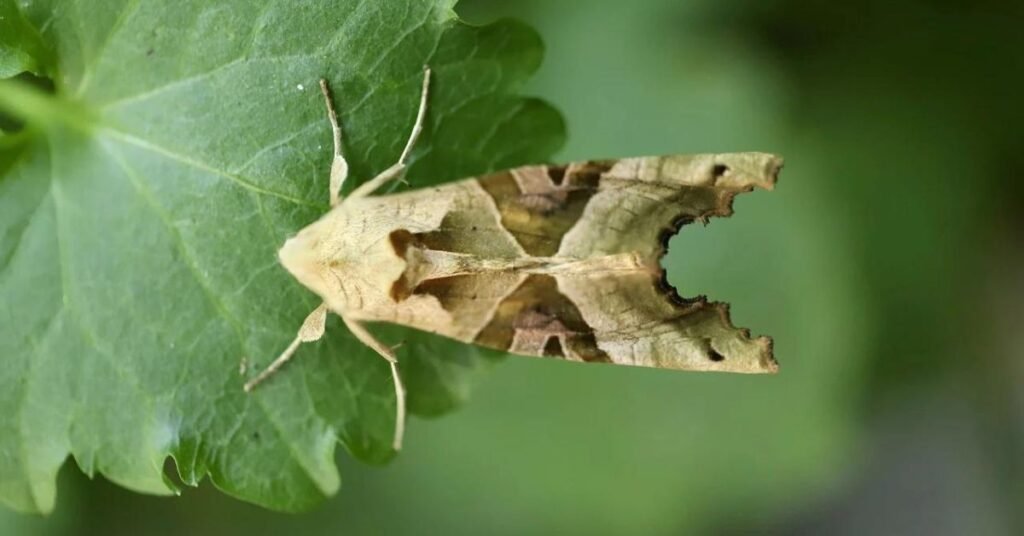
{"x": 141, "y": 204}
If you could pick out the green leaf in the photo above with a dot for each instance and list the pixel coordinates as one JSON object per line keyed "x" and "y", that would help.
{"x": 21, "y": 48}
{"x": 140, "y": 212}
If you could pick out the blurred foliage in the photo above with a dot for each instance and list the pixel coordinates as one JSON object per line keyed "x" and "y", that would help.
{"x": 884, "y": 264}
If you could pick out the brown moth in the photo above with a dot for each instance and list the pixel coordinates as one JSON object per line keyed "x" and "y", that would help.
{"x": 551, "y": 261}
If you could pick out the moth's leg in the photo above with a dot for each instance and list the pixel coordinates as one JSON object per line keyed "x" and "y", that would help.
{"x": 371, "y": 185}
{"x": 396, "y": 170}
{"x": 387, "y": 353}
{"x": 339, "y": 166}
{"x": 312, "y": 329}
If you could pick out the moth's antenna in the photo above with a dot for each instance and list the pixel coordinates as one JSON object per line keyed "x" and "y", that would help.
{"x": 420, "y": 114}
{"x": 339, "y": 166}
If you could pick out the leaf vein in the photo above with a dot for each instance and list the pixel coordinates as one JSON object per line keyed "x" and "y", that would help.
{"x": 187, "y": 255}
{"x": 244, "y": 183}
{"x": 89, "y": 70}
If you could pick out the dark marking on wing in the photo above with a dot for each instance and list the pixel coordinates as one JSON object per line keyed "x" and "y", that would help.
{"x": 447, "y": 290}
{"x": 540, "y": 217}
{"x": 537, "y": 310}
{"x": 664, "y": 236}
{"x": 553, "y": 348}
{"x": 443, "y": 239}
{"x": 666, "y": 233}
{"x": 557, "y": 174}
{"x": 401, "y": 241}
{"x": 407, "y": 245}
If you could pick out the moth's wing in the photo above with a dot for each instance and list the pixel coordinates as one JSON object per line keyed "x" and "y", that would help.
{"x": 537, "y": 319}
{"x": 623, "y": 209}
{"x": 436, "y": 292}
{"x": 603, "y": 207}
{"x": 623, "y": 318}
{"x": 635, "y": 321}
{"x": 615, "y": 218}
{"x": 636, "y": 316}
{"x": 641, "y": 202}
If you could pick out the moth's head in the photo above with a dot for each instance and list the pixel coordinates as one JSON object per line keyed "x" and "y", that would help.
{"x": 307, "y": 256}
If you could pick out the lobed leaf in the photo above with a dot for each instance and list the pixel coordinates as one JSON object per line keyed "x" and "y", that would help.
{"x": 142, "y": 204}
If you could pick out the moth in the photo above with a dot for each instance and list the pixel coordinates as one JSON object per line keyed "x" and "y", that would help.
{"x": 553, "y": 261}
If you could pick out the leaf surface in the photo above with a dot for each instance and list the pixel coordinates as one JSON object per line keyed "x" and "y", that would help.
{"x": 21, "y": 47}
{"x": 142, "y": 205}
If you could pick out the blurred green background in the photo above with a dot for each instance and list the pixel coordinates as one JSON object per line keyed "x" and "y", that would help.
{"x": 888, "y": 265}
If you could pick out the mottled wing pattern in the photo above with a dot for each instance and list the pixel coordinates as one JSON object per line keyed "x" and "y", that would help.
{"x": 563, "y": 261}
{"x": 454, "y": 272}
{"x": 537, "y": 319}
{"x": 538, "y": 205}
{"x": 637, "y": 317}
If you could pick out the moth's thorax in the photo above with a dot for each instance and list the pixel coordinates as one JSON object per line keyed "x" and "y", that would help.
{"x": 349, "y": 270}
